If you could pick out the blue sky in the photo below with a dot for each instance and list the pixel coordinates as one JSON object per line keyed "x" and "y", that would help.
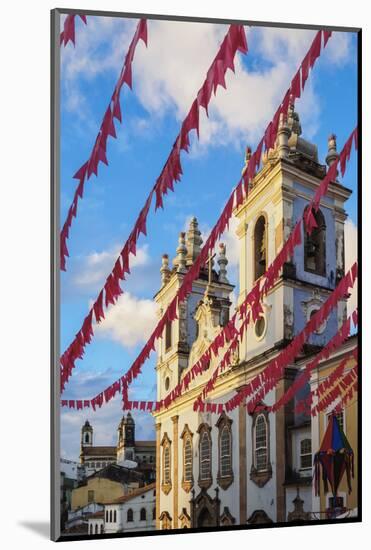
{"x": 166, "y": 77}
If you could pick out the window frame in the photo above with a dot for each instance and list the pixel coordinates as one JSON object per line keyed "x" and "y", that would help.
{"x": 166, "y": 483}
{"x": 204, "y": 430}
{"x": 224, "y": 424}
{"x": 187, "y": 437}
{"x": 301, "y": 454}
{"x": 321, "y": 222}
{"x": 260, "y": 476}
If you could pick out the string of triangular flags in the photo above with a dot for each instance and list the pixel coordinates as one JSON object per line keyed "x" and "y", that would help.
{"x": 107, "y": 128}
{"x": 331, "y": 388}
{"x": 234, "y": 41}
{"x": 68, "y": 33}
{"x": 112, "y": 288}
{"x": 265, "y": 381}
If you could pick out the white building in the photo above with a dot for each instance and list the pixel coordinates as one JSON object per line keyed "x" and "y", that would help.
{"x": 133, "y": 512}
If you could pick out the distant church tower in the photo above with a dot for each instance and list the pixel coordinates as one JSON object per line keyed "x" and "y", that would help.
{"x": 87, "y": 435}
{"x": 126, "y": 439}
{"x": 279, "y": 194}
{"x": 205, "y": 309}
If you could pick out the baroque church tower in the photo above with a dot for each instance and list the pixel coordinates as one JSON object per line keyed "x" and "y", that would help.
{"x": 206, "y": 308}
{"x": 279, "y": 194}
{"x": 237, "y": 467}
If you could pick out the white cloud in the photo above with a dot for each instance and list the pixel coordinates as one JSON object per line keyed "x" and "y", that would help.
{"x": 130, "y": 321}
{"x": 351, "y": 255}
{"x": 96, "y": 265}
{"x": 169, "y": 73}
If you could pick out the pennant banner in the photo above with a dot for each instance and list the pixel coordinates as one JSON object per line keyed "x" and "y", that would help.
{"x": 235, "y": 40}
{"x": 265, "y": 381}
{"x": 107, "y": 128}
{"x": 76, "y": 349}
{"x": 68, "y": 33}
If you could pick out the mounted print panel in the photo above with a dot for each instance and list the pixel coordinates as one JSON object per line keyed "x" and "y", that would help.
{"x": 206, "y": 206}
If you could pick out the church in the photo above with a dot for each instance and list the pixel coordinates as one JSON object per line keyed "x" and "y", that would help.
{"x": 247, "y": 468}
{"x": 128, "y": 452}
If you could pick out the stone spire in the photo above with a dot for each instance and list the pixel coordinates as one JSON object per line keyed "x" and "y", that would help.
{"x": 223, "y": 262}
{"x": 283, "y": 135}
{"x": 165, "y": 271}
{"x": 332, "y": 154}
{"x": 181, "y": 251}
{"x": 194, "y": 242}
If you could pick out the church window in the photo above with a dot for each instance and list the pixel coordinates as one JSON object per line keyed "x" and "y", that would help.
{"x": 165, "y": 520}
{"x": 260, "y": 247}
{"x": 305, "y": 454}
{"x": 107, "y": 516}
{"x": 225, "y": 452}
{"x": 90, "y": 496}
{"x": 96, "y": 528}
{"x": 187, "y": 479}
{"x": 168, "y": 342}
{"x": 260, "y": 327}
{"x": 188, "y": 470}
{"x": 86, "y": 438}
{"x": 225, "y": 472}
{"x": 110, "y": 516}
{"x": 205, "y": 478}
{"x": 167, "y": 383}
{"x": 143, "y": 514}
{"x": 130, "y": 515}
{"x": 315, "y": 246}
{"x": 261, "y": 443}
{"x": 166, "y": 464}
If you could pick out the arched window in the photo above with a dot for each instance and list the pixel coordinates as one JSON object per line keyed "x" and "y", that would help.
{"x": 205, "y": 478}
{"x": 114, "y": 516}
{"x": 168, "y": 336}
{"x": 225, "y": 452}
{"x": 225, "y": 472}
{"x": 188, "y": 467}
{"x": 130, "y": 515}
{"x": 154, "y": 514}
{"x": 166, "y": 464}
{"x": 165, "y": 519}
{"x": 101, "y": 529}
{"x": 143, "y": 514}
{"x": 315, "y": 246}
{"x": 107, "y": 516}
{"x": 86, "y": 438}
{"x": 96, "y": 528}
{"x": 110, "y": 516}
{"x": 261, "y": 443}
{"x": 260, "y": 247}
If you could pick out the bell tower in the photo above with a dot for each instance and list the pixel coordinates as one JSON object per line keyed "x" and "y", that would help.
{"x": 174, "y": 347}
{"x": 277, "y": 197}
{"x": 126, "y": 439}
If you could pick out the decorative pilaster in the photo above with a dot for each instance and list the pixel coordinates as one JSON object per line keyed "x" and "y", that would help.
{"x": 242, "y": 463}
{"x": 158, "y": 473}
{"x": 176, "y": 469}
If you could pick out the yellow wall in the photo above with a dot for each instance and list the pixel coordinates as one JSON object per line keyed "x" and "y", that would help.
{"x": 351, "y": 427}
{"x": 105, "y": 490}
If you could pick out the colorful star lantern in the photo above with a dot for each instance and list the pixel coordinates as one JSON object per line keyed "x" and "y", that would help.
{"x": 336, "y": 458}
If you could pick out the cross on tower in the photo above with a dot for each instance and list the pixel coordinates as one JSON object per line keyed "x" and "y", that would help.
{"x": 209, "y": 261}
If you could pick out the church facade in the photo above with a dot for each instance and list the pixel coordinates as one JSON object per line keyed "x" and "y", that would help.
{"x": 241, "y": 468}
{"x": 128, "y": 452}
